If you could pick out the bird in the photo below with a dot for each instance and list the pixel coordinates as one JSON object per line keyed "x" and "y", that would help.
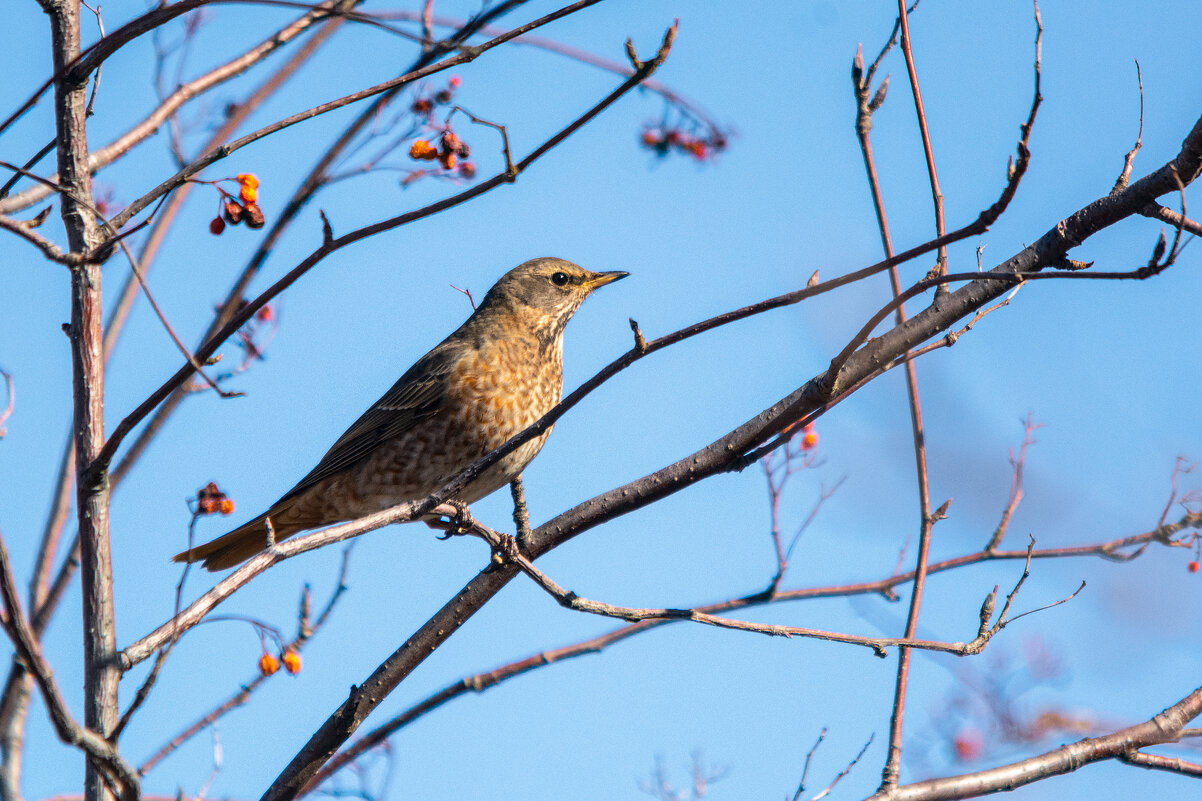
{"x": 491, "y": 378}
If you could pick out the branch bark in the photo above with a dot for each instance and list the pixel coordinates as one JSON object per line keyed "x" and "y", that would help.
{"x": 87, "y": 359}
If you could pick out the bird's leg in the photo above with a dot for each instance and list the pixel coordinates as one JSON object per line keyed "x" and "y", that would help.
{"x": 521, "y": 516}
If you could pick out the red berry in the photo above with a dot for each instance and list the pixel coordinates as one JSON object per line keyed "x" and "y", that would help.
{"x": 253, "y": 215}
{"x": 1193, "y": 567}
{"x": 216, "y": 226}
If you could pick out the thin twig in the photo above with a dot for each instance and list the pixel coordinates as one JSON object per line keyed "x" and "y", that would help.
{"x": 927, "y": 150}
{"x": 505, "y": 548}
{"x": 1129, "y": 160}
{"x": 805, "y": 771}
{"x": 845, "y": 771}
{"x": 480, "y": 682}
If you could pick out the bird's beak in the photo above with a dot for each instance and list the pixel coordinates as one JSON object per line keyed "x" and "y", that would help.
{"x": 601, "y": 279}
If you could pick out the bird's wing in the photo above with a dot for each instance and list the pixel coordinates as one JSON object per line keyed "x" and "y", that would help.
{"x": 415, "y": 397}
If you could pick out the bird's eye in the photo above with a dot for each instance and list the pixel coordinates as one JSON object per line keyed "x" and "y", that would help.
{"x": 559, "y": 279}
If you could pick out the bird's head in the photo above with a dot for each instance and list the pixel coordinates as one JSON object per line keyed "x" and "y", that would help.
{"x": 546, "y": 292}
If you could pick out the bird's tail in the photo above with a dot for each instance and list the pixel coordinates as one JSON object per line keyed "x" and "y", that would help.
{"x": 240, "y": 544}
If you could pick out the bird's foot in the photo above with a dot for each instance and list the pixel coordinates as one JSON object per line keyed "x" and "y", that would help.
{"x": 505, "y": 550}
{"x": 452, "y": 525}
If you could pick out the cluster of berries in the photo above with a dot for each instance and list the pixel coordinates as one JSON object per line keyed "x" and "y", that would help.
{"x": 210, "y": 500}
{"x": 244, "y": 209}
{"x": 269, "y": 663}
{"x": 666, "y": 140}
{"x": 424, "y": 105}
{"x": 451, "y": 151}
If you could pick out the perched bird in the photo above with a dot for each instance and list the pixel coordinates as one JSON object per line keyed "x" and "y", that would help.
{"x": 498, "y": 373}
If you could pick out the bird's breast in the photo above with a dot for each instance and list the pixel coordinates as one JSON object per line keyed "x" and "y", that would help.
{"x": 504, "y": 386}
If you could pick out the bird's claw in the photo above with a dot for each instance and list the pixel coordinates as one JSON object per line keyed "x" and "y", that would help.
{"x": 453, "y": 525}
{"x": 504, "y": 551}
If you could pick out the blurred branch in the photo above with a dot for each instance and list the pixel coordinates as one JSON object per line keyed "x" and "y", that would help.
{"x": 102, "y": 157}
{"x": 466, "y": 55}
{"x": 1162, "y": 728}
{"x": 687, "y": 105}
{"x": 316, "y": 179}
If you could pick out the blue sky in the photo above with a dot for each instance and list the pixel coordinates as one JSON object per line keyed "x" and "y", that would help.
{"x": 1109, "y": 369}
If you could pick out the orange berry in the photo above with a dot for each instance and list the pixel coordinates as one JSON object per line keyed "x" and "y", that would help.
{"x": 226, "y": 507}
{"x": 650, "y": 139}
{"x": 809, "y": 441}
{"x": 216, "y": 226}
{"x": 421, "y": 149}
{"x": 467, "y": 169}
{"x": 249, "y": 191}
{"x": 268, "y": 664}
{"x": 447, "y": 160}
{"x": 292, "y": 661}
{"x": 1193, "y": 566}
